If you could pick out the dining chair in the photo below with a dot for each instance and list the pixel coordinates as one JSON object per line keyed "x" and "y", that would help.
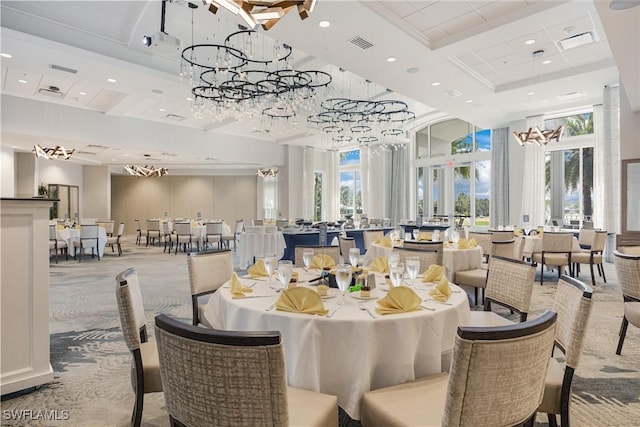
{"x": 109, "y": 227}
{"x": 153, "y": 231}
{"x": 208, "y": 270}
{"x": 213, "y": 234}
{"x": 140, "y": 232}
{"x": 231, "y": 378}
{"x": 585, "y": 237}
{"x": 56, "y": 245}
{"x": 370, "y": 236}
{"x": 496, "y": 378}
{"x": 116, "y": 240}
{"x": 427, "y": 257}
{"x": 282, "y": 224}
{"x": 510, "y": 285}
{"x": 477, "y": 277}
{"x": 483, "y": 239}
{"x": 573, "y": 303}
{"x": 592, "y": 256}
{"x": 167, "y": 236}
{"x": 629, "y": 250}
{"x": 556, "y": 251}
{"x": 346, "y": 243}
{"x": 332, "y": 251}
{"x": 183, "y": 230}
{"x": 425, "y": 245}
{"x": 226, "y": 239}
{"x": 628, "y": 270}
{"x": 89, "y": 238}
{"x": 145, "y": 372}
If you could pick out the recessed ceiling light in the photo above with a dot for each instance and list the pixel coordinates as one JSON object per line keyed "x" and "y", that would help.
{"x": 546, "y": 61}
{"x": 413, "y": 70}
{"x": 5, "y": 55}
{"x": 110, "y": 80}
{"x": 162, "y": 109}
{"x": 391, "y": 59}
{"x": 435, "y": 84}
{"x": 531, "y": 93}
{"x": 189, "y": 98}
{"x": 22, "y": 81}
{"x": 82, "y": 93}
{"x": 324, "y": 24}
{"x": 469, "y": 101}
{"x": 530, "y": 41}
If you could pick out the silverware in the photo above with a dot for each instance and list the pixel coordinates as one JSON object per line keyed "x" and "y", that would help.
{"x": 362, "y": 307}
{"x": 271, "y": 307}
{"x": 334, "y": 309}
{"x": 427, "y": 308}
{"x": 436, "y": 301}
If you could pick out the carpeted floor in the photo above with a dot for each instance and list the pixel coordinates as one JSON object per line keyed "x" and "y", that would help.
{"x": 92, "y": 363}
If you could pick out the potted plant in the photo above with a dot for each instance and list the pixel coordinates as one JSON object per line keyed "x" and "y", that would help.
{"x": 43, "y": 190}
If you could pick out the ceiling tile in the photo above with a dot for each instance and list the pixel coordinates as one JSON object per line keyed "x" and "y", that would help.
{"x": 446, "y": 10}
{"x": 505, "y": 61}
{"x": 501, "y": 8}
{"x": 494, "y": 52}
{"x": 418, "y": 21}
{"x": 435, "y": 34}
{"x": 399, "y": 8}
{"x": 470, "y": 59}
{"x": 421, "y": 4}
{"x": 12, "y": 82}
{"x": 479, "y": 4}
{"x": 462, "y": 23}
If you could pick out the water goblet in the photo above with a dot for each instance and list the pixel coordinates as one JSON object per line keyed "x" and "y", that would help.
{"x": 413, "y": 267}
{"x": 285, "y": 270}
{"x": 343, "y": 278}
{"x": 307, "y": 257}
{"x": 416, "y": 233}
{"x": 393, "y": 259}
{"x": 396, "y": 274}
{"x": 270, "y": 264}
{"x": 354, "y": 256}
{"x": 455, "y": 238}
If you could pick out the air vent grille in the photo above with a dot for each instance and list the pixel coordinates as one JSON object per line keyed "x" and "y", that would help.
{"x": 454, "y": 93}
{"x": 61, "y": 68}
{"x": 360, "y": 42}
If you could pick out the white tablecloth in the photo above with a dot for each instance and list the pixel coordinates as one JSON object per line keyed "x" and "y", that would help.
{"x": 452, "y": 259}
{"x": 534, "y": 244}
{"x": 255, "y": 245}
{"x": 71, "y": 235}
{"x": 350, "y": 353}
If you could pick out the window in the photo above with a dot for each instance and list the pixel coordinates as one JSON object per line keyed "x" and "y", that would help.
{"x": 350, "y": 183}
{"x": 317, "y": 197}
{"x": 578, "y": 124}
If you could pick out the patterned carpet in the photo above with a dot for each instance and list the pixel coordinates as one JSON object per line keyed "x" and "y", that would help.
{"x": 92, "y": 363}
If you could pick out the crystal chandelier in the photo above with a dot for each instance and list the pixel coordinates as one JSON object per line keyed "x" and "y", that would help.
{"x": 146, "y": 171}
{"x": 265, "y": 173}
{"x": 58, "y": 152}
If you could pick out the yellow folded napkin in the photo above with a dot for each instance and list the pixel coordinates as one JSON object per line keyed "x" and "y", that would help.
{"x": 517, "y": 232}
{"x": 540, "y": 233}
{"x": 433, "y": 274}
{"x": 258, "y": 269}
{"x": 424, "y": 236}
{"x": 385, "y": 242}
{"x": 322, "y": 261}
{"x": 301, "y": 300}
{"x": 472, "y": 242}
{"x": 59, "y": 227}
{"x": 463, "y": 243}
{"x": 380, "y": 264}
{"x": 398, "y": 300}
{"x": 237, "y": 289}
{"x": 442, "y": 291}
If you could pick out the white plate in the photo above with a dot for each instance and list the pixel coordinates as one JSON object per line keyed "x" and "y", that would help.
{"x": 330, "y": 293}
{"x": 356, "y": 295}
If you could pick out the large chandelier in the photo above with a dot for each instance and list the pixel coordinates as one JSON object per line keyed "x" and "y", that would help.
{"x": 146, "y": 171}
{"x": 535, "y": 135}
{"x": 58, "y": 152}
{"x": 265, "y": 13}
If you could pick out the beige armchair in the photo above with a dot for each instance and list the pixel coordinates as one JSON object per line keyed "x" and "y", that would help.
{"x": 207, "y": 272}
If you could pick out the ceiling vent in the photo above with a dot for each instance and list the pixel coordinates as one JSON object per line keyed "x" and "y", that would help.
{"x": 571, "y": 95}
{"x": 453, "y": 93}
{"x": 51, "y": 91}
{"x": 577, "y": 40}
{"x": 61, "y": 68}
{"x": 361, "y": 43}
{"x": 174, "y": 117}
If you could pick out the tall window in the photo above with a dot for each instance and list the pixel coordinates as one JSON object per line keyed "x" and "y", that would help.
{"x": 350, "y": 183}
{"x": 317, "y": 197}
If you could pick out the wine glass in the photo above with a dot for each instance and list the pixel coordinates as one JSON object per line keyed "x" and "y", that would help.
{"x": 413, "y": 266}
{"x": 307, "y": 258}
{"x": 285, "y": 269}
{"x": 343, "y": 278}
{"x": 393, "y": 259}
{"x": 396, "y": 274}
{"x": 354, "y": 256}
{"x": 269, "y": 264}
{"x": 455, "y": 237}
{"x": 435, "y": 237}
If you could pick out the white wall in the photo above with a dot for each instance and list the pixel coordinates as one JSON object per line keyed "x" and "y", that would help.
{"x": 96, "y": 192}
{"x": 7, "y": 179}
{"x": 629, "y": 129}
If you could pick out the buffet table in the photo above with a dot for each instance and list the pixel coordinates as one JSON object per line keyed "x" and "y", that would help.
{"x": 354, "y": 351}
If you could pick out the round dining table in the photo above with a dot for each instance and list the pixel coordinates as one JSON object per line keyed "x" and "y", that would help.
{"x": 355, "y": 350}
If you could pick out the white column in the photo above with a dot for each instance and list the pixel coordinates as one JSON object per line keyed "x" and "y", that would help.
{"x": 533, "y": 179}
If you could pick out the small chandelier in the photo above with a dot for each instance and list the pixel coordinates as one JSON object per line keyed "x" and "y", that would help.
{"x": 537, "y": 136}
{"x": 265, "y": 173}
{"x": 265, "y": 13}
{"x": 58, "y": 152}
{"x": 146, "y": 171}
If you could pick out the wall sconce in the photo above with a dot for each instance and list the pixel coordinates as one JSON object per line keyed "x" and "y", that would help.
{"x": 146, "y": 171}
{"x": 58, "y": 152}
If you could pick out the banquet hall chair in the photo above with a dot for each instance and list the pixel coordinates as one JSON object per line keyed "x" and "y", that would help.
{"x": 208, "y": 270}
{"x": 88, "y": 239}
{"x": 592, "y": 256}
{"x": 425, "y": 245}
{"x": 332, "y": 251}
{"x": 573, "y": 304}
{"x": 628, "y": 269}
{"x": 213, "y": 234}
{"x": 556, "y": 251}
{"x": 145, "y": 370}
{"x": 282, "y": 224}
{"x": 501, "y": 235}
{"x": 257, "y": 222}
{"x": 483, "y": 239}
{"x": 370, "y": 236}
{"x": 153, "y": 231}
{"x": 167, "y": 236}
{"x": 427, "y": 257}
{"x": 140, "y": 232}
{"x": 200, "y": 389}
{"x": 585, "y": 237}
{"x": 239, "y": 228}
{"x": 182, "y": 231}
{"x": 345, "y": 244}
{"x": 510, "y": 285}
{"x": 56, "y": 245}
{"x": 117, "y": 239}
{"x": 496, "y": 379}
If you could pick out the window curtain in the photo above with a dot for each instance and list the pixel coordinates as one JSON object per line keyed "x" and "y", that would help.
{"x": 332, "y": 179}
{"x": 308, "y": 182}
{"x": 606, "y": 161}
{"x": 533, "y": 185}
{"x": 399, "y": 184}
{"x": 499, "y": 208}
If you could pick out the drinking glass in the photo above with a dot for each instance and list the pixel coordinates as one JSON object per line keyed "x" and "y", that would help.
{"x": 413, "y": 267}
{"x": 455, "y": 238}
{"x": 396, "y": 274}
{"x": 393, "y": 259}
{"x": 416, "y": 233}
{"x": 354, "y": 256}
{"x": 307, "y": 257}
{"x": 435, "y": 237}
{"x": 270, "y": 264}
{"x": 285, "y": 269}
{"x": 343, "y": 278}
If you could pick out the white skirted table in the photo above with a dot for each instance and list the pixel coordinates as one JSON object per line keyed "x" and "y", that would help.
{"x": 256, "y": 245}
{"x": 71, "y": 235}
{"x": 352, "y": 352}
{"x": 533, "y": 244}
